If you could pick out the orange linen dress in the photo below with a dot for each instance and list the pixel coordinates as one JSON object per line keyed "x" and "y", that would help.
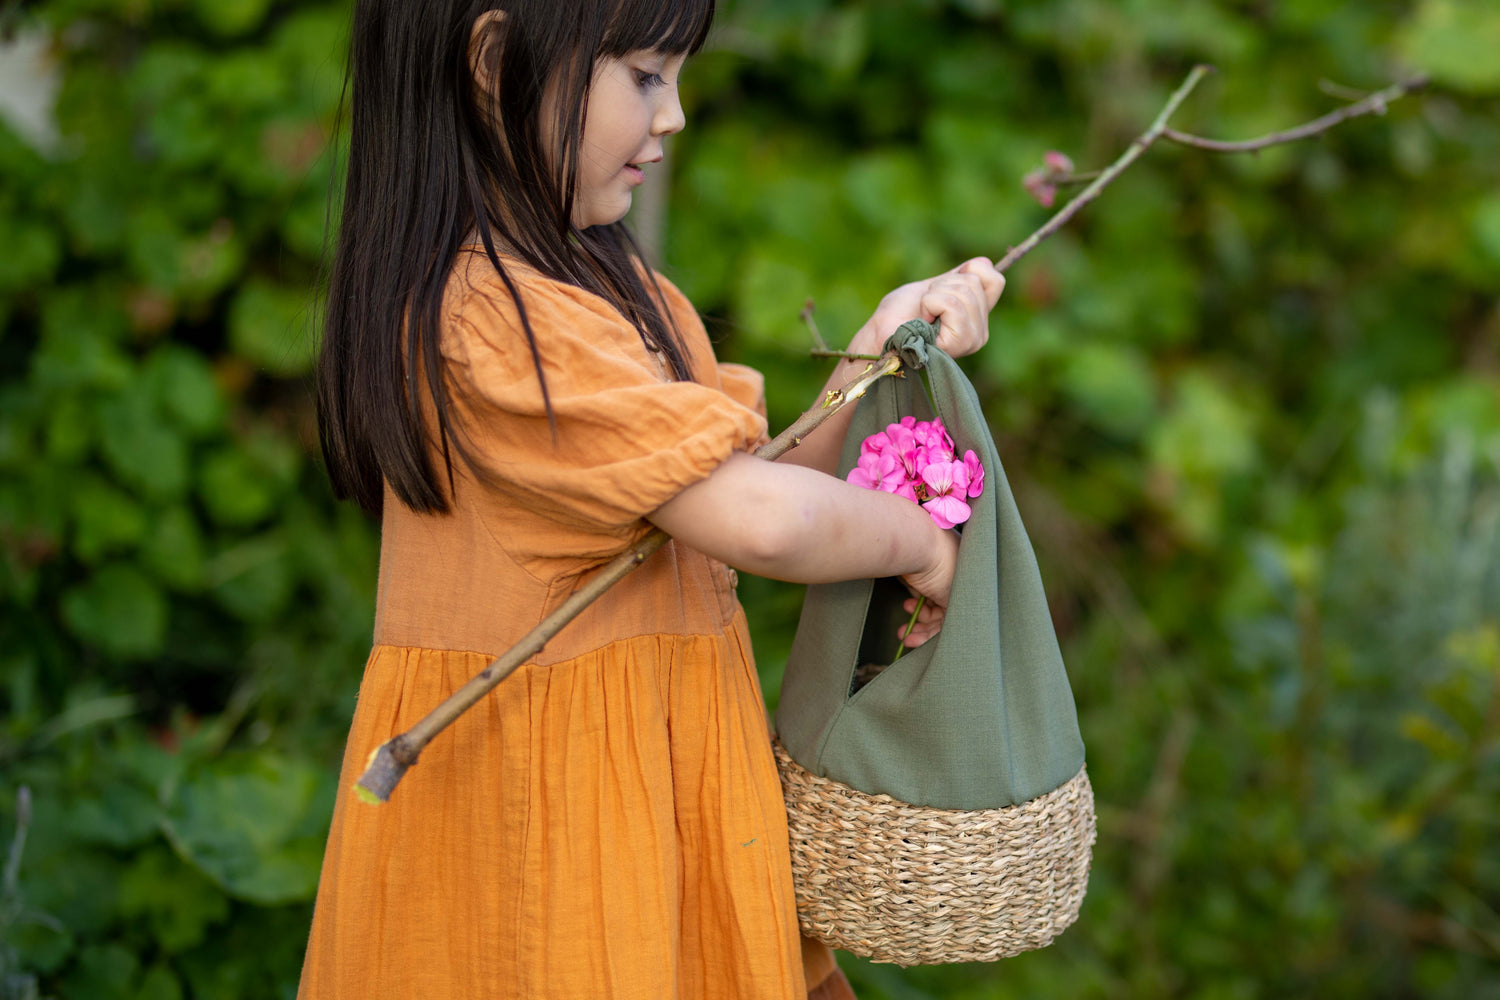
{"x": 608, "y": 822}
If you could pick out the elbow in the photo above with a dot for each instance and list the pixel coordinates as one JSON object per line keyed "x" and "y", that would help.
{"x": 775, "y": 536}
{"x": 772, "y": 542}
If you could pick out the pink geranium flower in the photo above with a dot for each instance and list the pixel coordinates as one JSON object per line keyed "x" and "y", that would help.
{"x": 933, "y": 436}
{"x": 915, "y": 459}
{"x": 904, "y": 446}
{"x": 877, "y": 470}
{"x": 976, "y": 473}
{"x": 947, "y": 484}
{"x": 876, "y": 443}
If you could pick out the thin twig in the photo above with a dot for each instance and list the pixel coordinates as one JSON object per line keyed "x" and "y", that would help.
{"x": 1108, "y": 174}
{"x": 829, "y": 352}
{"x": 1372, "y": 104}
{"x": 18, "y": 842}
{"x": 392, "y": 759}
{"x": 1375, "y": 104}
{"x": 819, "y": 344}
{"x": 1079, "y": 178}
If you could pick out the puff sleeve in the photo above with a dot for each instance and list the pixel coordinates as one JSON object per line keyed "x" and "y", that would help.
{"x": 744, "y": 384}
{"x": 627, "y": 439}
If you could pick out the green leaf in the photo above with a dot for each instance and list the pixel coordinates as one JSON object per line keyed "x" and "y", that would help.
{"x": 81, "y": 356}
{"x": 253, "y": 825}
{"x": 228, "y": 18}
{"x": 271, "y": 326}
{"x": 32, "y": 253}
{"x": 770, "y": 298}
{"x": 70, "y": 429}
{"x": 146, "y": 452}
{"x": 253, "y": 579}
{"x": 889, "y": 189}
{"x": 184, "y": 388}
{"x": 105, "y": 519}
{"x": 119, "y": 815}
{"x": 120, "y": 611}
{"x": 173, "y": 899}
{"x": 1113, "y": 385}
{"x": 173, "y": 550}
{"x": 159, "y": 983}
{"x": 1206, "y": 438}
{"x": 1486, "y": 226}
{"x": 17, "y": 430}
{"x": 173, "y": 258}
{"x": 1207, "y": 433}
{"x": 103, "y": 972}
{"x": 234, "y": 490}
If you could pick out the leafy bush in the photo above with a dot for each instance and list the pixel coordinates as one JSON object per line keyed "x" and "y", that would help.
{"x": 1249, "y": 406}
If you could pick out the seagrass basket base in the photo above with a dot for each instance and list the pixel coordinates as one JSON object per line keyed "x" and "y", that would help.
{"x": 912, "y": 885}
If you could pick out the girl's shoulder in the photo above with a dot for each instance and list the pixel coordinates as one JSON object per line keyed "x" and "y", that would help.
{"x": 475, "y": 288}
{"x": 570, "y": 328}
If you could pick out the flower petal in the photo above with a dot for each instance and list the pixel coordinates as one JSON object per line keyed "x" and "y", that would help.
{"x": 976, "y": 473}
{"x": 875, "y": 443}
{"x": 946, "y": 511}
{"x": 939, "y": 477}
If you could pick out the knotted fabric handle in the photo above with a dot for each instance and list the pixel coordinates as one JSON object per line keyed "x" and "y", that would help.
{"x": 912, "y": 340}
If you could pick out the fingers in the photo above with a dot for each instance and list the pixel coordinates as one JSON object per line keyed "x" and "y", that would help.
{"x": 959, "y": 301}
{"x": 991, "y": 280}
{"x": 961, "y": 306}
{"x": 929, "y": 623}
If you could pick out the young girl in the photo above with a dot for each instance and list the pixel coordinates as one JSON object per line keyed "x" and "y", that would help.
{"x": 520, "y": 399}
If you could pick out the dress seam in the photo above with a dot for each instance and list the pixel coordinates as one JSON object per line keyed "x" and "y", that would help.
{"x": 576, "y": 656}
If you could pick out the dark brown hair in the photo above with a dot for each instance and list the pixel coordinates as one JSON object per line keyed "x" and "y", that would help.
{"x": 426, "y": 170}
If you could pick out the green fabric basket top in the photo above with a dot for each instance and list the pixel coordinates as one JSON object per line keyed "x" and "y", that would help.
{"x": 979, "y": 717}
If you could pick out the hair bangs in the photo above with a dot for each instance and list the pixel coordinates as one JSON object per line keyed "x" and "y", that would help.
{"x": 678, "y": 27}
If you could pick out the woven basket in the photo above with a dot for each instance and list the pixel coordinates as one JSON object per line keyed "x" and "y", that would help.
{"x": 918, "y": 886}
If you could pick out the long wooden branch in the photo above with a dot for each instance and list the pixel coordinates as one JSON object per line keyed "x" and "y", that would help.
{"x": 392, "y": 759}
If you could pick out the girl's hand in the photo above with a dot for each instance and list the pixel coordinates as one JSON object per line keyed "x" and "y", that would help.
{"x": 934, "y": 583}
{"x": 959, "y": 301}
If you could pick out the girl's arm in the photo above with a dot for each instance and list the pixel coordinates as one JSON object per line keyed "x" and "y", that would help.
{"x": 800, "y": 525}
{"x": 959, "y": 300}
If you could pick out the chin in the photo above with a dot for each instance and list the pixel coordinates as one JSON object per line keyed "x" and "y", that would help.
{"x": 600, "y": 216}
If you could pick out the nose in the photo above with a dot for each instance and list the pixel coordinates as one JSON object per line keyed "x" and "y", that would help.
{"x": 668, "y": 119}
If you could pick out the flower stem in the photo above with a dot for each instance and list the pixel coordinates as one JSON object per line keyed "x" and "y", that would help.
{"x": 910, "y": 622}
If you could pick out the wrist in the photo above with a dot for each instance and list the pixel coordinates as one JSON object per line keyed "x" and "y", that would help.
{"x": 866, "y": 341}
{"x": 921, "y": 536}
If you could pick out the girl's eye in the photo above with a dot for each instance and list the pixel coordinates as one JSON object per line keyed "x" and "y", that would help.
{"x": 648, "y": 80}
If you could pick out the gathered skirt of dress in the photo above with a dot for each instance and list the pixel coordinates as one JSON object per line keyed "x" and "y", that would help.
{"x": 606, "y": 827}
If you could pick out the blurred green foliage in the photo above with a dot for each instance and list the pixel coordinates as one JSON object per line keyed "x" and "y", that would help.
{"x": 1249, "y": 405}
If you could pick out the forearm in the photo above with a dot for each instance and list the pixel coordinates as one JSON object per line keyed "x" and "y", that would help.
{"x": 797, "y": 524}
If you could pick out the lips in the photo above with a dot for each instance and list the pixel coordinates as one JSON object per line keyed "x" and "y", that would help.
{"x": 636, "y": 172}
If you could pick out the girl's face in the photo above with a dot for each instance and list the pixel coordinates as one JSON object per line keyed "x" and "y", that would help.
{"x": 632, "y": 105}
